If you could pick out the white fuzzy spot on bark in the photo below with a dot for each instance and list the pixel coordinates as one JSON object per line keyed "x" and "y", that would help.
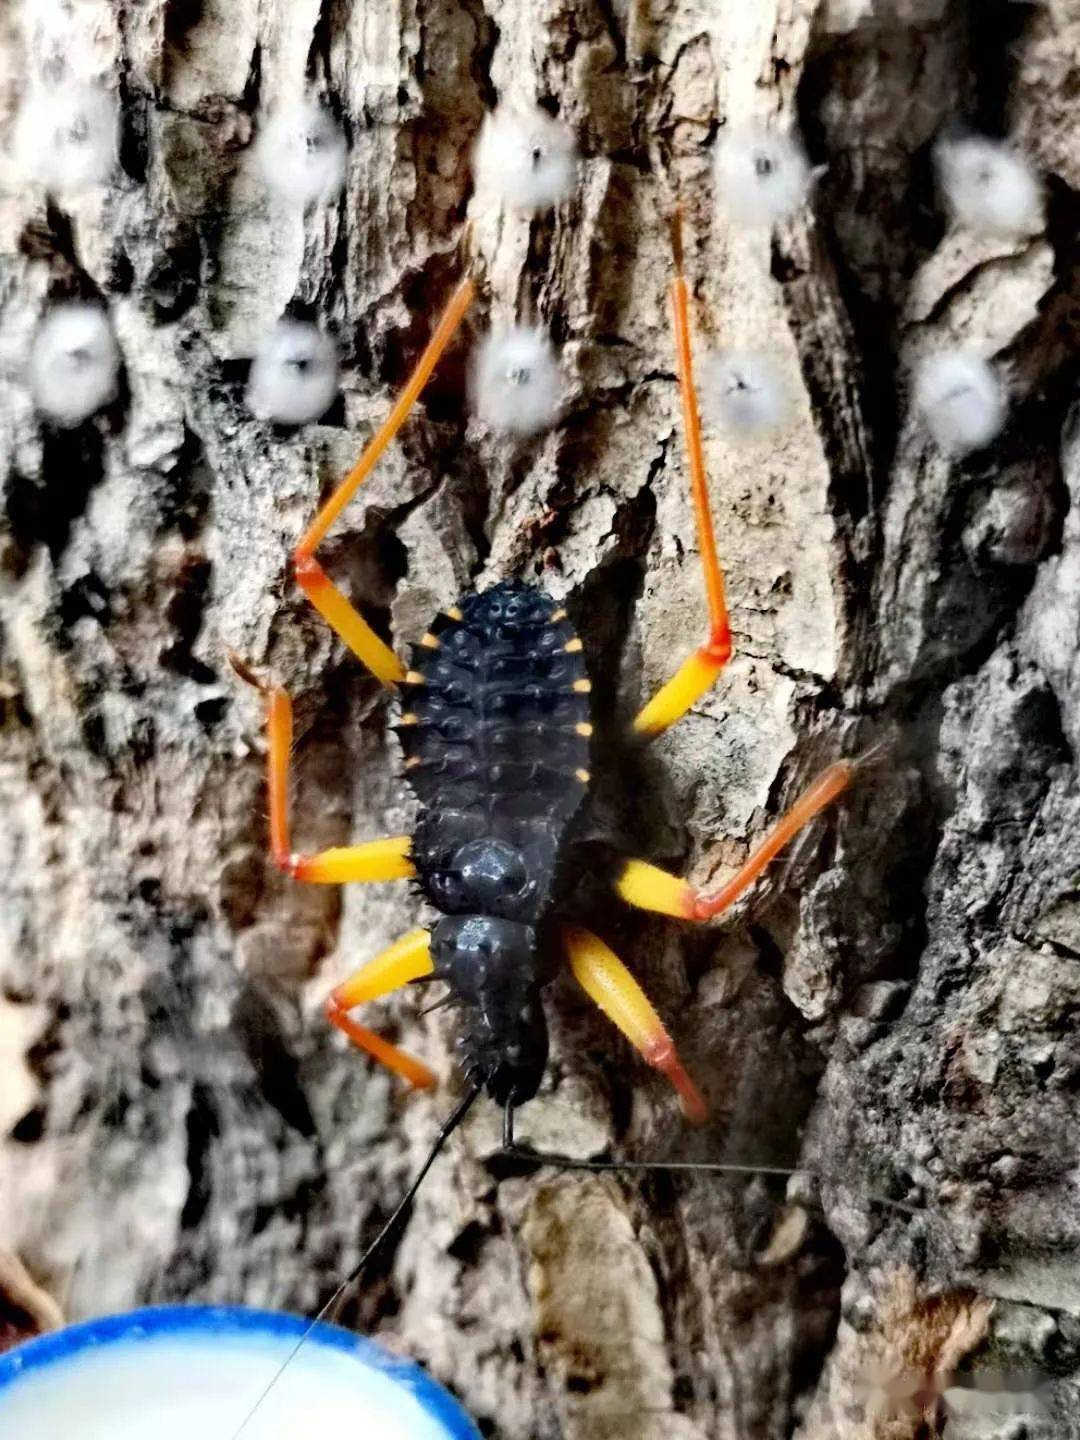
{"x": 524, "y": 159}
{"x": 294, "y": 377}
{"x": 761, "y": 178}
{"x": 515, "y": 381}
{"x": 74, "y": 363}
{"x": 988, "y": 187}
{"x": 961, "y": 399}
{"x": 67, "y": 136}
{"x": 301, "y": 154}
{"x": 743, "y": 392}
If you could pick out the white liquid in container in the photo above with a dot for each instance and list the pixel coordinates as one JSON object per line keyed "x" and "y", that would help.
{"x": 200, "y": 1384}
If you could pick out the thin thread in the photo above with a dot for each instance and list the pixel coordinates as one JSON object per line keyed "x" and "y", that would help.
{"x": 447, "y": 1128}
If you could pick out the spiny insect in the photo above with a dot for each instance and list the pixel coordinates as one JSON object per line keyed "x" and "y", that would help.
{"x": 497, "y": 730}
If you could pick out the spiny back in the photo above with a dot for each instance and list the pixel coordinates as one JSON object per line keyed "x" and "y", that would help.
{"x": 495, "y": 728}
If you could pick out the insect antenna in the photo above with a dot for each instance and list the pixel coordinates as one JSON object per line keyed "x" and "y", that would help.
{"x": 446, "y": 1129}
{"x": 516, "y": 1151}
{"x": 705, "y": 1167}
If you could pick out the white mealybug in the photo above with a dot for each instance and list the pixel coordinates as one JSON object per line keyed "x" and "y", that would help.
{"x": 301, "y": 153}
{"x": 761, "y": 177}
{"x": 524, "y": 158}
{"x": 988, "y": 187}
{"x": 294, "y": 377}
{"x": 74, "y": 363}
{"x": 961, "y": 399}
{"x": 67, "y": 136}
{"x": 515, "y": 381}
{"x": 743, "y": 392}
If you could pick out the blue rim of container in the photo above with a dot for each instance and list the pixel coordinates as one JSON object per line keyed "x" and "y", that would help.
{"x": 157, "y": 1321}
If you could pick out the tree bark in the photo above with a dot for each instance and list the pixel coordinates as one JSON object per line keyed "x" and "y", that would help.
{"x": 893, "y": 1010}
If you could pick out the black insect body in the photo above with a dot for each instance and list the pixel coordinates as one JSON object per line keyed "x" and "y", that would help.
{"x": 496, "y": 734}
{"x": 495, "y": 731}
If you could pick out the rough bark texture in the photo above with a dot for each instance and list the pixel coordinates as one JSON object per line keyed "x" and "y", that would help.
{"x": 895, "y": 1010}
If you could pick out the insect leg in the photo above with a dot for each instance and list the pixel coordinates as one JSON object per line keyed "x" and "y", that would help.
{"x": 649, "y": 888}
{"x": 407, "y": 959}
{"x": 607, "y": 981}
{"x": 342, "y": 617}
{"x": 377, "y": 860}
{"x": 698, "y": 673}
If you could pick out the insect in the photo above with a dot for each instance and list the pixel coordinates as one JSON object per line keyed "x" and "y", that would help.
{"x": 498, "y": 738}
{"x": 497, "y": 728}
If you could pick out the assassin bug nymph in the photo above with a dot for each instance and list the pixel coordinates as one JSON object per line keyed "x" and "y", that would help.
{"x": 496, "y": 731}
{"x": 495, "y": 727}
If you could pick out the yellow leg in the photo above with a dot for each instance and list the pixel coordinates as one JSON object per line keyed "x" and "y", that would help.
{"x": 408, "y": 959}
{"x": 606, "y": 980}
{"x": 377, "y": 860}
{"x": 649, "y": 888}
{"x": 697, "y": 674}
{"x": 342, "y": 617}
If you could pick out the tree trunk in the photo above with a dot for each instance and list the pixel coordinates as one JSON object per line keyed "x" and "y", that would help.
{"x": 891, "y": 1010}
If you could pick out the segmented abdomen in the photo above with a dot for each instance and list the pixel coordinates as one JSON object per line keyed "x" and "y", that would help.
{"x": 495, "y": 726}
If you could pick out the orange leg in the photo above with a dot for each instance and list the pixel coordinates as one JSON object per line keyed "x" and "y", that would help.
{"x": 650, "y": 888}
{"x": 342, "y": 617}
{"x": 377, "y": 860}
{"x": 408, "y": 959}
{"x": 606, "y": 980}
{"x": 698, "y": 673}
